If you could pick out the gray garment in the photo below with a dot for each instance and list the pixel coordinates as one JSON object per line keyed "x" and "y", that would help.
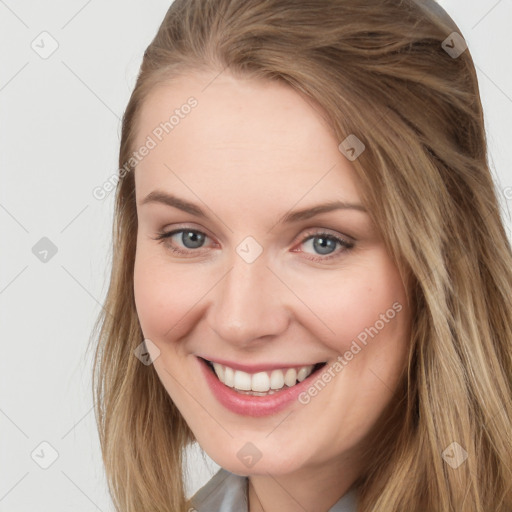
{"x": 227, "y": 492}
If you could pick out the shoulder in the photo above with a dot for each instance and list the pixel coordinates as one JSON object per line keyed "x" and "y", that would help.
{"x": 224, "y": 492}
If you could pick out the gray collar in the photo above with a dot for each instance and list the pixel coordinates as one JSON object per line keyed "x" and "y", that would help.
{"x": 226, "y": 492}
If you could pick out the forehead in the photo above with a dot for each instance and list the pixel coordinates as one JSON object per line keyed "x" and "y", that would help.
{"x": 248, "y": 137}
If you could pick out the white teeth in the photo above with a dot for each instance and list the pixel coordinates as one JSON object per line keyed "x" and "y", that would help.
{"x": 261, "y": 382}
{"x": 229, "y": 376}
{"x": 276, "y": 379}
{"x": 302, "y": 374}
{"x": 219, "y": 370}
{"x": 242, "y": 381}
{"x": 291, "y": 377}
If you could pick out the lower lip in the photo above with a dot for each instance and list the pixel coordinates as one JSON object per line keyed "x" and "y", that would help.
{"x": 250, "y": 405}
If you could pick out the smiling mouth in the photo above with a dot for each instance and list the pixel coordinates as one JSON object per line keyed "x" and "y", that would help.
{"x": 262, "y": 383}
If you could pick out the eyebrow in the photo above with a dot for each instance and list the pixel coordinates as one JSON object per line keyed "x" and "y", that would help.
{"x": 160, "y": 197}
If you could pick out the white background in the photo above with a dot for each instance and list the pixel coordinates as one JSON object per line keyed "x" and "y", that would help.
{"x": 59, "y": 138}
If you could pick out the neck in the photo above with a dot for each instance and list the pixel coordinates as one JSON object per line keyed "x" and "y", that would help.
{"x": 316, "y": 489}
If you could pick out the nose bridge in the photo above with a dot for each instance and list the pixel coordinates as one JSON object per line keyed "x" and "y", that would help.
{"x": 247, "y": 302}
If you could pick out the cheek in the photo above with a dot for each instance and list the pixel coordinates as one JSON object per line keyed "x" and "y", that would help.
{"x": 164, "y": 295}
{"x": 357, "y": 302}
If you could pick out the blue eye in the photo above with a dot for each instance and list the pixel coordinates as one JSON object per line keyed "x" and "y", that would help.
{"x": 324, "y": 244}
{"x": 191, "y": 239}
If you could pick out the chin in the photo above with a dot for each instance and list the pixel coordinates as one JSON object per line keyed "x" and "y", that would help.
{"x": 246, "y": 459}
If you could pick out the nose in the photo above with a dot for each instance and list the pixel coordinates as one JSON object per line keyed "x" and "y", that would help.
{"x": 248, "y": 303}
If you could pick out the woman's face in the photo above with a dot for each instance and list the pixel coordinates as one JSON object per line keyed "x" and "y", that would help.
{"x": 265, "y": 279}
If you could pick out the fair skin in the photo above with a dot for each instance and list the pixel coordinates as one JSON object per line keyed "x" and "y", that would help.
{"x": 247, "y": 155}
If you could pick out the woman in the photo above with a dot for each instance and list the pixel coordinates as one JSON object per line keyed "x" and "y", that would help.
{"x": 310, "y": 276}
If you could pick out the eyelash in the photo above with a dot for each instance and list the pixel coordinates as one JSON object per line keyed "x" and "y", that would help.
{"x": 163, "y": 236}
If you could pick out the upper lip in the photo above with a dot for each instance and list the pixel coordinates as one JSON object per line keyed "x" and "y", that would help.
{"x": 254, "y": 368}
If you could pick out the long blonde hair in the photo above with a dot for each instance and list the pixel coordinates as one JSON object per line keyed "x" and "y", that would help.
{"x": 380, "y": 71}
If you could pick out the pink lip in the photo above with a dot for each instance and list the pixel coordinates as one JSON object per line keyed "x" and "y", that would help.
{"x": 257, "y": 367}
{"x": 249, "y": 405}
